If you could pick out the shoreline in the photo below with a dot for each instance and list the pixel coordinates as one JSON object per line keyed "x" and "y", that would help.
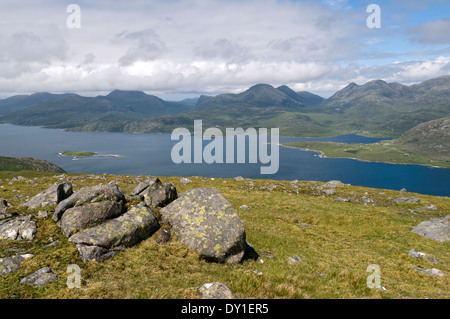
{"x": 323, "y": 155}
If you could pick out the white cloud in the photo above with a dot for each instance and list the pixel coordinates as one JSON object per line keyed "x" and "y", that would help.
{"x": 432, "y": 32}
{"x": 197, "y": 46}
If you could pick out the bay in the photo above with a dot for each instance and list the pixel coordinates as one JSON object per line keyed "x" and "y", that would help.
{"x": 150, "y": 154}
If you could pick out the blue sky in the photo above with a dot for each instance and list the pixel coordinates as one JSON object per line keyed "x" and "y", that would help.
{"x": 184, "y": 48}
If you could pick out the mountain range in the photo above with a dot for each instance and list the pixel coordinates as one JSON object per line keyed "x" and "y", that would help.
{"x": 376, "y": 108}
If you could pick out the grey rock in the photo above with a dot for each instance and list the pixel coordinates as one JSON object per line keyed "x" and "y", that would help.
{"x": 244, "y": 207}
{"x": 428, "y": 207}
{"x": 293, "y": 260}
{"x": 329, "y": 191}
{"x": 96, "y": 253}
{"x": 366, "y": 199}
{"x": 341, "y": 199}
{"x": 417, "y": 254}
{"x": 437, "y": 229}
{"x": 215, "y": 290}
{"x": 53, "y": 243}
{"x": 127, "y": 230}
{"x": 185, "y": 181}
{"x": 40, "y": 278}
{"x": 239, "y": 179}
{"x": 7, "y": 216}
{"x": 4, "y": 204}
{"x": 77, "y": 218}
{"x": 408, "y": 200}
{"x": 155, "y": 193}
{"x": 206, "y": 222}
{"x": 403, "y": 191}
{"x": 268, "y": 254}
{"x": 10, "y": 264}
{"x": 19, "y": 228}
{"x": 142, "y": 186}
{"x": 304, "y": 225}
{"x": 43, "y": 214}
{"x": 160, "y": 196}
{"x": 334, "y": 183}
{"x": 433, "y": 272}
{"x": 89, "y": 195}
{"x": 164, "y": 236}
{"x": 51, "y": 196}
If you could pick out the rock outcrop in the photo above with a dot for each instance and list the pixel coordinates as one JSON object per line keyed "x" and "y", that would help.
{"x": 205, "y": 221}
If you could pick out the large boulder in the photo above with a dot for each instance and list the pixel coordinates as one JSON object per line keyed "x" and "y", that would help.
{"x": 125, "y": 231}
{"x": 89, "y": 195}
{"x": 205, "y": 221}
{"x": 155, "y": 193}
{"x": 19, "y": 228}
{"x": 437, "y": 229}
{"x": 50, "y": 197}
{"x": 81, "y": 217}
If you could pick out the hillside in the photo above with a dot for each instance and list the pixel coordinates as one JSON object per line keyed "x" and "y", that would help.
{"x": 425, "y": 144}
{"x": 432, "y": 138}
{"x": 27, "y": 163}
{"x": 311, "y": 244}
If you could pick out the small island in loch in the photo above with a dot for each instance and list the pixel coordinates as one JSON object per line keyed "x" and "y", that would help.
{"x": 78, "y": 154}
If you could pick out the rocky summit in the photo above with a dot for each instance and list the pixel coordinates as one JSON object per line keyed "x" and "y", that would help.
{"x": 100, "y": 222}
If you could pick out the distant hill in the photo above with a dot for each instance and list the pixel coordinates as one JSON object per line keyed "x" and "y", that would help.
{"x": 27, "y": 164}
{"x": 103, "y": 113}
{"x": 389, "y": 108}
{"x": 142, "y": 103}
{"x": 376, "y": 108}
{"x": 260, "y": 95}
{"x": 432, "y": 138}
{"x": 21, "y": 102}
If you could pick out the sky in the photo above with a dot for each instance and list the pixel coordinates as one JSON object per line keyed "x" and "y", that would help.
{"x": 184, "y": 48}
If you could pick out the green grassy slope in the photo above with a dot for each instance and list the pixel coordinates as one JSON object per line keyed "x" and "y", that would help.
{"x": 337, "y": 247}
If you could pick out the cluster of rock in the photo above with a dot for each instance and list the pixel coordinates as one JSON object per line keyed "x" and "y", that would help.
{"x": 100, "y": 221}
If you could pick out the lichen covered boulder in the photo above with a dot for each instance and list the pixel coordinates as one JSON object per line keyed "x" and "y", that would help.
{"x": 206, "y": 222}
{"x": 125, "y": 231}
